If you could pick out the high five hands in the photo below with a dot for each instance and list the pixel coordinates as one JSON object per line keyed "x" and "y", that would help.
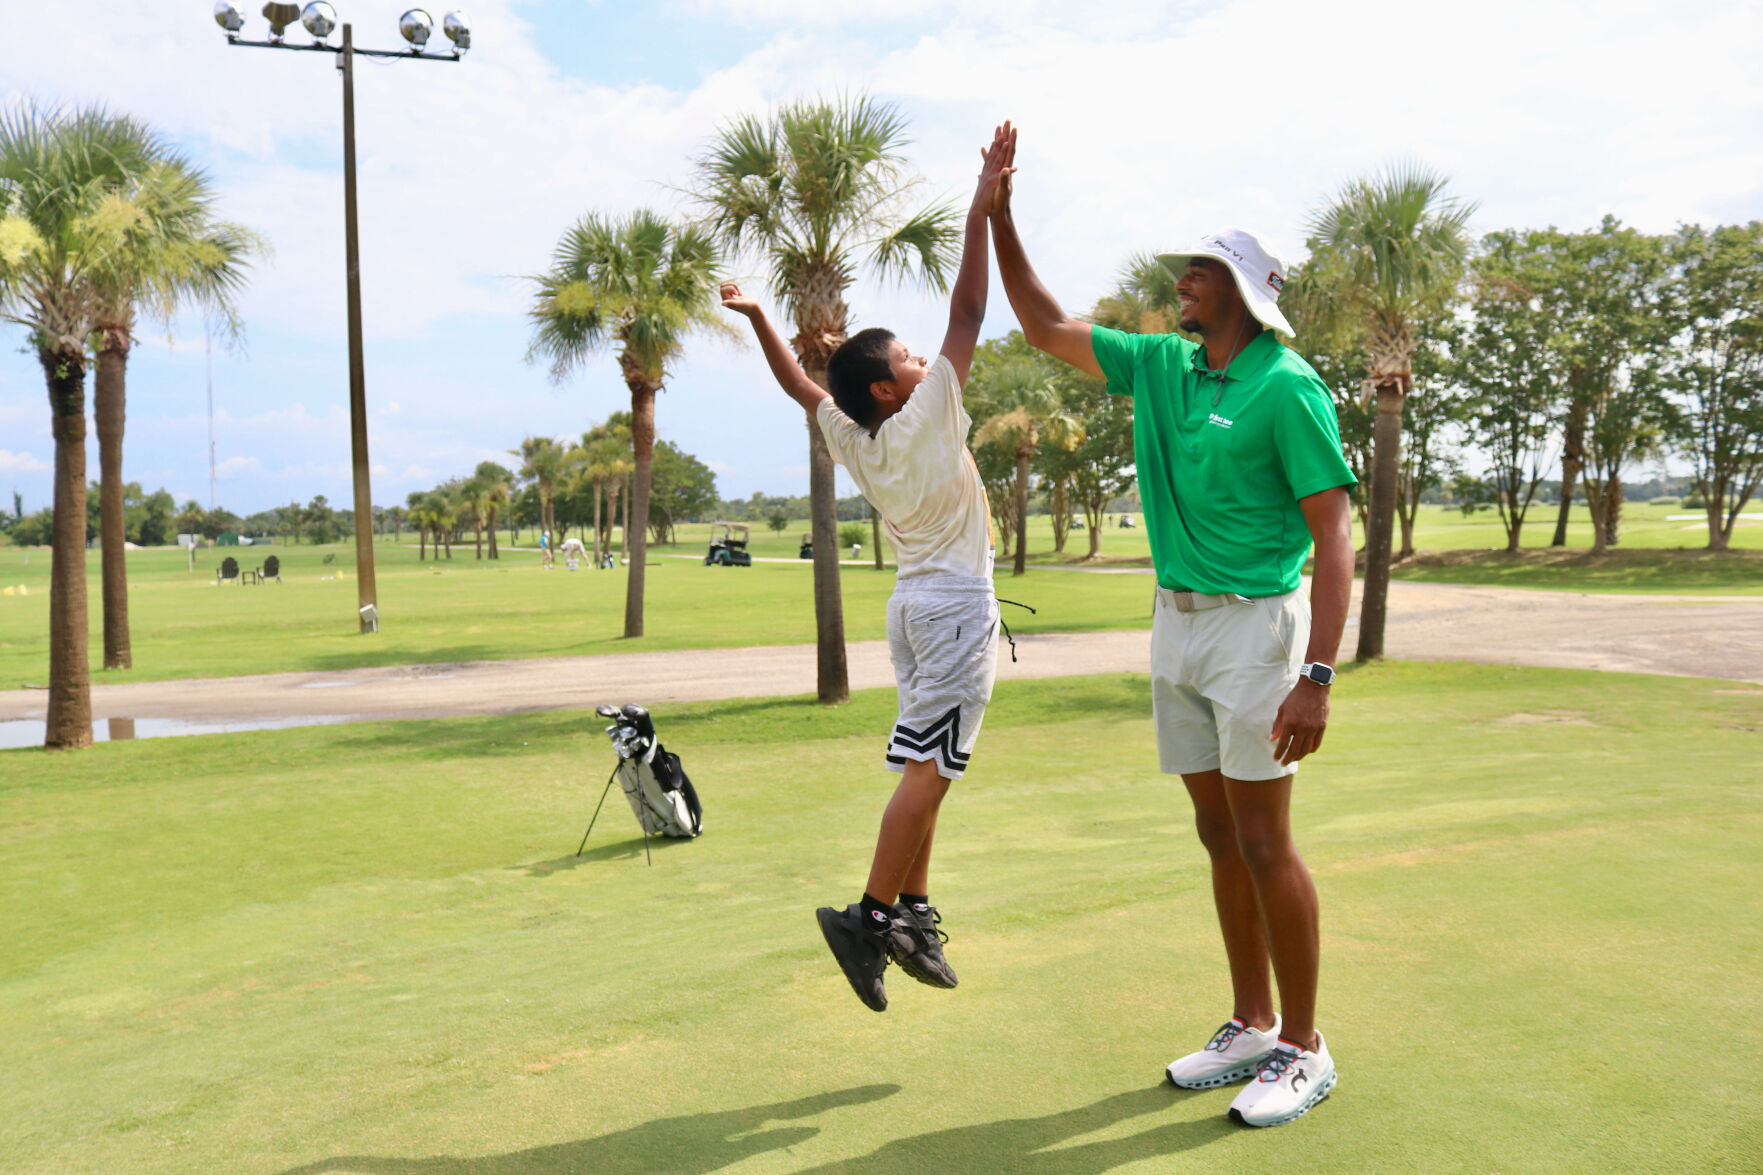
{"x": 993, "y": 196}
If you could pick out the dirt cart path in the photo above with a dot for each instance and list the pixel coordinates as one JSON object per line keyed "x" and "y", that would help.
{"x": 1679, "y": 635}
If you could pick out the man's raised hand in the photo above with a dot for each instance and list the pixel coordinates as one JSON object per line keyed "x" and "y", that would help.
{"x": 993, "y": 195}
{"x": 733, "y": 299}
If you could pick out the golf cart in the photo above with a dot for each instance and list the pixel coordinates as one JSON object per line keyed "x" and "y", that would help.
{"x": 807, "y": 551}
{"x": 726, "y": 550}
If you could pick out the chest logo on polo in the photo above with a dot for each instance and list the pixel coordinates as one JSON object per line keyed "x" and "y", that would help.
{"x": 1221, "y": 422}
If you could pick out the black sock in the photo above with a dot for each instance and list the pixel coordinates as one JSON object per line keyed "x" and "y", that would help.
{"x": 915, "y": 900}
{"x": 877, "y": 916}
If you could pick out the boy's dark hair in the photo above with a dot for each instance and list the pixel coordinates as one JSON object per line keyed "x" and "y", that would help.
{"x": 860, "y": 361}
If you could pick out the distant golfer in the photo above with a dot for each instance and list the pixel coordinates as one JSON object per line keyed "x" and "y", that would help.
{"x": 546, "y": 558}
{"x": 1240, "y": 470}
{"x": 898, "y": 425}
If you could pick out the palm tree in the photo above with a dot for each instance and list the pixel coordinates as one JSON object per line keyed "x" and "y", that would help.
{"x": 1028, "y": 412}
{"x": 1396, "y": 244}
{"x": 816, "y": 191}
{"x": 542, "y": 462}
{"x": 172, "y": 251}
{"x": 475, "y": 496}
{"x": 642, "y": 284}
{"x": 1144, "y": 301}
{"x": 498, "y": 489}
{"x": 416, "y": 516}
{"x": 605, "y": 461}
{"x": 63, "y": 220}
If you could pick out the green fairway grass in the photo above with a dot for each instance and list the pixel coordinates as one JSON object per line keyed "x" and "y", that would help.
{"x": 183, "y": 625}
{"x": 369, "y": 948}
{"x": 1645, "y": 526}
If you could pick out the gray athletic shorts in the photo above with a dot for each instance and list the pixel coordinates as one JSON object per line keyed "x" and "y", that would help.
{"x": 1218, "y": 676}
{"x": 943, "y": 641}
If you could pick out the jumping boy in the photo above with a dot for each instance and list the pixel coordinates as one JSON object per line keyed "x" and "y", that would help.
{"x": 898, "y": 425}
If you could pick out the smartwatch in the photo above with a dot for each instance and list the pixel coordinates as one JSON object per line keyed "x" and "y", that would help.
{"x": 1318, "y": 672}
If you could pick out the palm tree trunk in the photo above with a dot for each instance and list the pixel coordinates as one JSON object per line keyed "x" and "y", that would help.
{"x": 832, "y": 670}
{"x": 1613, "y": 511}
{"x": 1061, "y": 517}
{"x": 875, "y": 536}
{"x": 478, "y": 521}
{"x": 1594, "y": 500}
{"x": 1572, "y": 465}
{"x": 1022, "y": 460}
{"x": 492, "y": 529}
{"x": 1386, "y": 459}
{"x": 643, "y": 450}
{"x": 70, "y": 671}
{"x": 107, "y": 410}
{"x": 598, "y": 562}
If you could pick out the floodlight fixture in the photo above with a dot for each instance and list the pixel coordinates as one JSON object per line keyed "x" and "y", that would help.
{"x": 229, "y": 16}
{"x": 319, "y": 18}
{"x": 280, "y": 16}
{"x": 458, "y": 30}
{"x": 416, "y": 25}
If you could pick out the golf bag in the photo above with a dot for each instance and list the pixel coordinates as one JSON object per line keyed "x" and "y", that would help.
{"x": 654, "y": 782}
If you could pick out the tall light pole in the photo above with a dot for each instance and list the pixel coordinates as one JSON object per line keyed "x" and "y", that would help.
{"x": 320, "y": 19}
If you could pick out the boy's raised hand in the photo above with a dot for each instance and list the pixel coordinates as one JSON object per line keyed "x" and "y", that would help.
{"x": 999, "y": 164}
{"x": 733, "y": 299}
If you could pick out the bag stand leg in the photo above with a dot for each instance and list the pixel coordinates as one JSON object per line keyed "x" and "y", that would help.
{"x": 597, "y": 807}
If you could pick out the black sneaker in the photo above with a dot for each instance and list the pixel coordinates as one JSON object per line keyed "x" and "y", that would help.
{"x": 860, "y": 953}
{"x": 916, "y": 943}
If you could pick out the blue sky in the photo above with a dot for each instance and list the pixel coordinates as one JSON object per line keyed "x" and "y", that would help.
{"x": 1143, "y": 124}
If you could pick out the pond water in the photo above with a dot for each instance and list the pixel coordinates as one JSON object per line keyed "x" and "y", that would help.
{"x": 29, "y": 732}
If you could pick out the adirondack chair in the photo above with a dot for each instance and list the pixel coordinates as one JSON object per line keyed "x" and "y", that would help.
{"x": 228, "y": 569}
{"x": 271, "y": 569}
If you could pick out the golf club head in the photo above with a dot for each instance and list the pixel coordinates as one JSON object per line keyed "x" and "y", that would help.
{"x": 605, "y": 710}
{"x": 638, "y": 717}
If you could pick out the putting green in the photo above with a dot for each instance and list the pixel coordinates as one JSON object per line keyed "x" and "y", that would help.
{"x": 368, "y": 949}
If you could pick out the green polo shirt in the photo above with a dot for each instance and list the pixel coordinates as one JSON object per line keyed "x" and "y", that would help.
{"x": 1221, "y": 468}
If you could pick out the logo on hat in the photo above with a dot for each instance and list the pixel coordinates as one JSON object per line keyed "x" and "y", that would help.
{"x": 1277, "y": 282}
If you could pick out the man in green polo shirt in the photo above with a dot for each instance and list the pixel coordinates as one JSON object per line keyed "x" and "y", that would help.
{"x": 1240, "y": 471}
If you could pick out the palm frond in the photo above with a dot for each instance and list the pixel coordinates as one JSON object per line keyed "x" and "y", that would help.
{"x": 641, "y": 281}
{"x": 926, "y": 246}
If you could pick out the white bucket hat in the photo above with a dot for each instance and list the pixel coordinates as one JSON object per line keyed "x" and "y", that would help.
{"x": 1260, "y": 275}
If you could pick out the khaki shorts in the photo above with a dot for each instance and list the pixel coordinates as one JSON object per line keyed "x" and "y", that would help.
{"x": 1218, "y": 676}
{"x": 943, "y": 641}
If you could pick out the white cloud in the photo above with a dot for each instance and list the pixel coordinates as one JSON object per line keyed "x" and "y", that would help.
{"x": 22, "y": 463}
{"x": 1143, "y": 123}
{"x": 237, "y": 467}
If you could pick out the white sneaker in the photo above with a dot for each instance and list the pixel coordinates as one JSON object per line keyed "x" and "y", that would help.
{"x": 1287, "y": 1085}
{"x": 1233, "y": 1054}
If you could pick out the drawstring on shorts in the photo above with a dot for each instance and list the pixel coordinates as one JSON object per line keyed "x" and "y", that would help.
{"x": 1006, "y": 628}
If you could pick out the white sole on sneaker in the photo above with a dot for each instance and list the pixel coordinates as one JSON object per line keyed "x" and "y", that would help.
{"x": 1309, "y": 1103}
{"x": 1228, "y": 1077}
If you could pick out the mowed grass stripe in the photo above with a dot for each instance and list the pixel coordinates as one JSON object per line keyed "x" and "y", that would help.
{"x": 366, "y": 949}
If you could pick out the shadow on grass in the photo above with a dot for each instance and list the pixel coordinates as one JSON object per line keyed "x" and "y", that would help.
{"x": 699, "y": 1143}
{"x": 688, "y": 1144}
{"x": 626, "y": 850}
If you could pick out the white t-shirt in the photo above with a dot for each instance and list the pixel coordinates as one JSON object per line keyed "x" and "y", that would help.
{"x": 917, "y": 473}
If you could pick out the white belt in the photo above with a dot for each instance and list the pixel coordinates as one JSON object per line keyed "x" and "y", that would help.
{"x": 1199, "y": 601}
